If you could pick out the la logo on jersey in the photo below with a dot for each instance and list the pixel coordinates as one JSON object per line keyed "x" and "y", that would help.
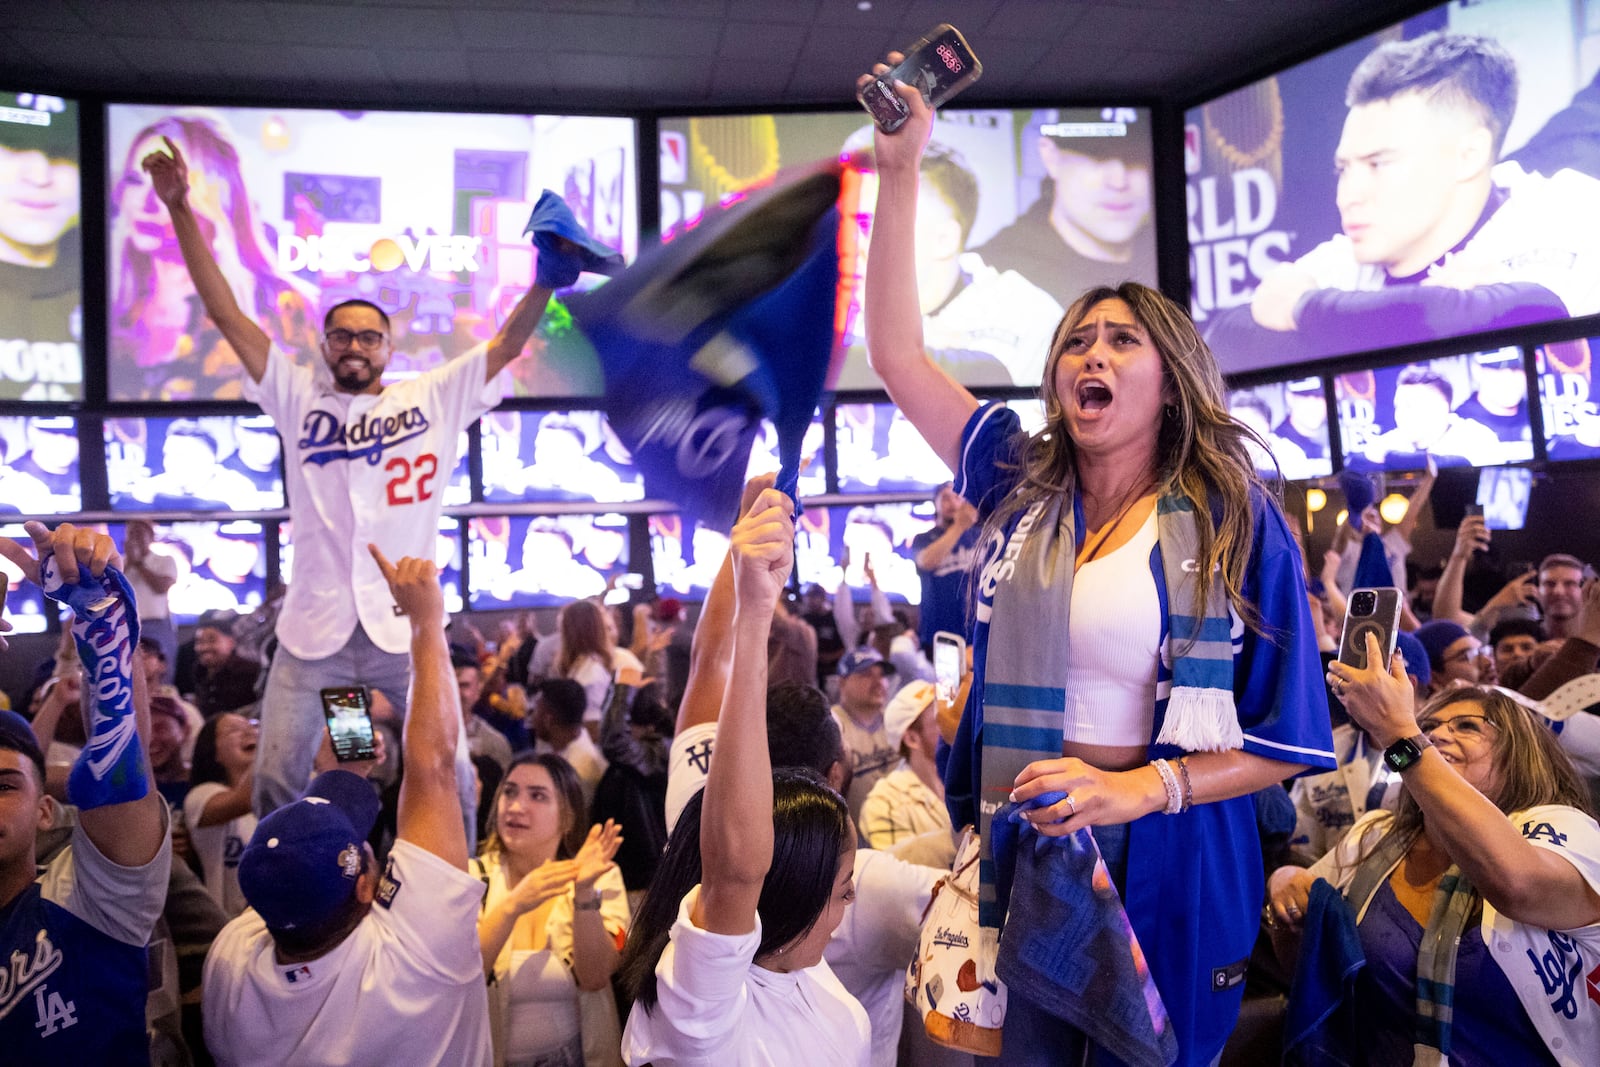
{"x": 25, "y": 974}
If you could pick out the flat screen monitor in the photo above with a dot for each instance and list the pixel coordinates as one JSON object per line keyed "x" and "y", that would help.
{"x": 1503, "y": 493}
{"x": 24, "y": 602}
{"x": 221, "y": 565}
{"x": 881, "y": 452}
{"x": 1569, "y": 399}
{"x": 1019, "y": 212}
{"x": 543, "y": 560}
{"x": 41, "y": 249}
{"x": 203, "y": 463}
{"x": 419, "y": 212}
{"x": 1292, "y": 418}
{"x": 1464, "y": 411}
{"x": 39, "y": 465}
{"x": 447, "y": 555}
{"x": 1320, "y": 228}
{"x": 814, "y": 469}
{"x": 686, "y": 555}
{"x": 556, "y": 455}
{"x": 834, "y": 543}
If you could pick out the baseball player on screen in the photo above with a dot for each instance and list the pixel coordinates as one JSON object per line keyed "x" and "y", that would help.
{"x": 363, "y": 463}
{"x": 1438, "y": 238}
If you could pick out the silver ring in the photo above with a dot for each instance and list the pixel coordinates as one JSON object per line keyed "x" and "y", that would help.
{"x": 1293, "y": 911}
{"x": 1073, "y": 804}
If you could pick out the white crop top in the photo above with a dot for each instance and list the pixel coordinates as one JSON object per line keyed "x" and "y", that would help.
{"x": 1114, "y": 646}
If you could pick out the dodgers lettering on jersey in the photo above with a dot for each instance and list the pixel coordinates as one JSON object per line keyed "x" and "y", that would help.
{"x": 325, "y": 439}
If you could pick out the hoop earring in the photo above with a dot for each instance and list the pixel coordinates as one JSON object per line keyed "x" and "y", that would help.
{"x": 1170, "y": 411}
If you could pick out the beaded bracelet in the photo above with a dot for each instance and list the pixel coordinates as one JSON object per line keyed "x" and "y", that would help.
{"x": 1169, "y": 781}
{"x": 1188, "y": 786}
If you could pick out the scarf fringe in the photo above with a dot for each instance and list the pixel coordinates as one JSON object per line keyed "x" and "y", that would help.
{"x": 1201, "y": 720}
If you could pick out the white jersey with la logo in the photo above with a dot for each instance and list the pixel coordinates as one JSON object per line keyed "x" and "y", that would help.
{"x": 361, "y": 468}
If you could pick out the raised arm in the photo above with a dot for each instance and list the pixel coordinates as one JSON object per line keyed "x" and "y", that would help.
{"x": 712, "y": 649}
{"x": 512, "y": 337}
{"x": 111, "y": 782}
{"x": 937, "y": 405}
{"x": 169, "y": 174}
{"x": 1472, "y": 535}
{"x": 1419, "y": 500}
{"x": 430, "y": 807}
{"x": 736, "y": 825}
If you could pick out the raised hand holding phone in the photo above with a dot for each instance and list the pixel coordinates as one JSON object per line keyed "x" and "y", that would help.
{"x": 937, "y": 65}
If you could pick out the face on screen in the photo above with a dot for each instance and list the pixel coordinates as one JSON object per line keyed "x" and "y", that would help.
{"x": 938, "y": 246}
{"x": 1421, "y": 413}
{"x": 38, "y": 204}
{"x": 1105, "y": 201}
{"x": 1411, "y": 180}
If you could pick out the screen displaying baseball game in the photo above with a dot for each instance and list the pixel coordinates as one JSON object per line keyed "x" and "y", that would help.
{"x": 1436, "y": 179}
{"x": 24, "y": 601}
{"x": 881, "y": 452}
{"x": 813, "y": 479}
{"x": 221, "y": 565}
{"x": 420, "y": 213}
{"x": 1019, "y": 212}
{"x": 41, "y": 249}
{"x": 1464, "y": 411}
{"x": 39, "y": 465}
{"x": 541, "y": 561}
{"x": 556, "y": 455}
{"x": 845, "y": 541}
{"x": 1292, "y": 418}
{"x": 1504, "y": 494}
{"x": 686, "y": 555}
{"x": 1569, "y": 398}
{"x": 208, "y": 463}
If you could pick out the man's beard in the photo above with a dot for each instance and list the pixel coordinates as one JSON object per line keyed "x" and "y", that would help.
{"x": 354, "y": 376}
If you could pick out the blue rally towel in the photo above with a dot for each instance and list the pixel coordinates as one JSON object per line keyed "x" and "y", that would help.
{"x": 1319, "y": 1021}
{"x": 559, "y": 263}
{"x": 702, "y": 338}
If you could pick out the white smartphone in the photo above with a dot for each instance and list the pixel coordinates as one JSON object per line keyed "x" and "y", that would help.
{"x": 949, "y": 665}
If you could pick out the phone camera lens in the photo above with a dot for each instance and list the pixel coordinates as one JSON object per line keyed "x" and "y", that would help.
{"x": 1363, "y": 603}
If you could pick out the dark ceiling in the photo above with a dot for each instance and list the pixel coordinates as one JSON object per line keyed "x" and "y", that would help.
{"x": 647, "y": 54}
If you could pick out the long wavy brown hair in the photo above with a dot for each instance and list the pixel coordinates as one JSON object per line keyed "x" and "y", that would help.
{"x": 1200, "y": 450}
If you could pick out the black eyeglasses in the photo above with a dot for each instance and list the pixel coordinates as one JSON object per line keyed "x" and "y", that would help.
{"x": 338, "y": 338}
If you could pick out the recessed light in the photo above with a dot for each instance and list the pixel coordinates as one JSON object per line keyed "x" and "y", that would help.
{"x": 863, "y": 5}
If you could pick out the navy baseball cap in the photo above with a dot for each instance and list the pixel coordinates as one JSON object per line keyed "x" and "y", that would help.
{"x": 859, "y": 659}
{"x": 302, "y": 862}
{"x": 1416, "y": 657}
{"x": 17, "y": 735}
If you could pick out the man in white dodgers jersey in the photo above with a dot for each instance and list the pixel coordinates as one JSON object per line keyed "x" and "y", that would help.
{"x": 363, "y": 463}
{"x": 1438, "y": 238}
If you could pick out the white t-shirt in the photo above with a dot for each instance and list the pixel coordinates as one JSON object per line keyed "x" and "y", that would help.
{"x": 585, "y": 758}
{"x": 716, "y": 1008}
{"x": 219, "y": 847}
{"x": 362, "y": 469}
{"x": 1545, "y": 967}
{"x": 541, "y": 998}
{"x": 405, "y": 987}
{"x": 152, "y": 605}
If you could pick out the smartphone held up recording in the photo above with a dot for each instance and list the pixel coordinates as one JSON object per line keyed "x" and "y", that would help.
{"x": 348, "y": 710}
{"x": 939, "y": 64}
{"x": 1374, "y": 612}
{"x": 949, "y": 664}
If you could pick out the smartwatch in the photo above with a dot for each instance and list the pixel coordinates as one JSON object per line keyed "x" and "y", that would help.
{"x": 1404, "y": 753}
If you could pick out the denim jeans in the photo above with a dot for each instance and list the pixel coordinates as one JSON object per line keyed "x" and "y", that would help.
{"x": 292, "y": 724}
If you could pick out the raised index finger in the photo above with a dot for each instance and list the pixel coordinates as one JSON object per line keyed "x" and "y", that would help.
{"x": 384, "y": 566}
{"x": 20, "y": 558}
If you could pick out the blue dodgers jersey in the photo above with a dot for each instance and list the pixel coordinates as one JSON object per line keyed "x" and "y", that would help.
{"x": 1195, "y": 881}
{"x": 69, "y": 994}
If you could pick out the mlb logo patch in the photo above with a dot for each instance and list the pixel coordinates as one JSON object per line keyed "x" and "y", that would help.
{"x": 297, "y": 974}
{"x": 1191, "y": 149}
{"x": 674, "y": 157}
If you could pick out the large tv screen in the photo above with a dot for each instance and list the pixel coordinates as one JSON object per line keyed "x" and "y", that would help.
{"x": 1569, "y": 398}
{"x": 421, "y": 213}
{"x": 39, "y": 465}
{"x": 221, "y": 565}
{"x": 831, "y": 543}
{"x": 543, "y": 560}
{"x": 1019, "y": 212}
{"x": 881, "y": 452}
{"x": 1464, "y": 411}
{"x": 209, "y": 463}
{"x": 41, "y": 249}
{"x": 1433, "y": 180}
{"x": 556, "y": 455}
{"x": 24, "y": 601}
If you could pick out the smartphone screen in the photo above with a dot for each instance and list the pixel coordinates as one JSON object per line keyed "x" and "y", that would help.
{"x": 949, "y": 664}
{"x": 349, "y": 723}
{"x": 938, "y": 65}
{"x": 1369, "y": 611}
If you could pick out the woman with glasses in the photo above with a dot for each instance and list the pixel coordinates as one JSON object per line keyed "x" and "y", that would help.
{"x": 1477, "y": 901}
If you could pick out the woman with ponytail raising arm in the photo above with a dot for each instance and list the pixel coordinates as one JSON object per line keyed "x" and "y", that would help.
{"x": 1143, "y": 653}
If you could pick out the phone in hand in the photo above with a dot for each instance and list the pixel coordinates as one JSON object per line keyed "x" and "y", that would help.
{"x": 939, "y": 64}
{"x": 949, "y": 666}
{"x": 1370, "y": 611}
{"x": 348, "y": 710}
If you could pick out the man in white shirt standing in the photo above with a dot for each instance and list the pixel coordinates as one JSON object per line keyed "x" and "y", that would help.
{"x": 363, "y": 463}
{"x": 335, "y": 963}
